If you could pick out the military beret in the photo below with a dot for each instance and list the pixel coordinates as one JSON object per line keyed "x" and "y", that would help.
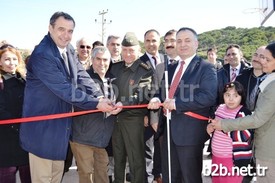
{"x": 130, "y": 39}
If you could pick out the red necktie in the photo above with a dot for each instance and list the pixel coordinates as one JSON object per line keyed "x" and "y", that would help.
{"x": 176, "y": 81}
{"x": 233, "y": 74}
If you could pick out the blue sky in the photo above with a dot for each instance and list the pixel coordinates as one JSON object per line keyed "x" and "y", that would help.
{"x": 24, "y": 23}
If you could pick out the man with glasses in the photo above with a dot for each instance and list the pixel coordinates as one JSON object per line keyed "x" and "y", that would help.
{"x": 84, "y": 48}
{"x": 252, "y": 77}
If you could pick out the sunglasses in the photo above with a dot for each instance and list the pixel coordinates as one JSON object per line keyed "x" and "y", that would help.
{"x": 4, "y": 46}
{"x": 83, "y": 46}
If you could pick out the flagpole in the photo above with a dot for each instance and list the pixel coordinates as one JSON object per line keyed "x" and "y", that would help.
{"x": 168, "y": 115}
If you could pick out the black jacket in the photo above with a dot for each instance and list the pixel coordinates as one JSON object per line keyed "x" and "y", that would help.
{"x": 250, "y": 83}
{"x": 224, "y": 77}
{"x": 11, "y": 103}
{"x": 93, "y": 129}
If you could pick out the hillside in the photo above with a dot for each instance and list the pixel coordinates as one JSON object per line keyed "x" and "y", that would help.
{"x": 248, "y": 39}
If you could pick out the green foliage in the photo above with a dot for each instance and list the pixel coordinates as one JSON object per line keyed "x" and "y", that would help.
{"x": 24, "y": 53}
{"x": 248, "y": 39}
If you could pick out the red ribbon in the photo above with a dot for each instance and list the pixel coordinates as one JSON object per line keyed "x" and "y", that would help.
{"x": 61, "y": 115}
{"x": 65, "y": 115}
{"x": 195, "y": 115}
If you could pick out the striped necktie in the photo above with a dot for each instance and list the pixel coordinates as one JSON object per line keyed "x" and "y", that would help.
{"x": 233, "y": 74}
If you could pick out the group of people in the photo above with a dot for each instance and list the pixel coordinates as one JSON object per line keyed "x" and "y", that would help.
{"x": 258, "y": 83}
{"x": 116, "y": 79}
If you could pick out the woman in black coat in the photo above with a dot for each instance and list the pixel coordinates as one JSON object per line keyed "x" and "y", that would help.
{"x": 12, "y": 84}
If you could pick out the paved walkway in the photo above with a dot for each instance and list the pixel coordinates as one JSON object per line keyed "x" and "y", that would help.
{"x": 72, "y": 176}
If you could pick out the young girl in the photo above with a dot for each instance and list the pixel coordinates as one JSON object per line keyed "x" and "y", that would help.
{"x": 232, "y": 149}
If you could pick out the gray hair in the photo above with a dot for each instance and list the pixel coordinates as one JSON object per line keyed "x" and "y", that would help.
{"x": 100, "y": 49}
{"x": 112, "y": 37}
{"x": 82, "y": 39}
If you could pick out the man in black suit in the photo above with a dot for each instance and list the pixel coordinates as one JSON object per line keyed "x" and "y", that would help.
{"x": 196, "y": 92}
{"x": 172, "y": 58}
{"x": 235, "y": 64}
{"x": 152, "y": 57}
{"x": 114, "y": 46}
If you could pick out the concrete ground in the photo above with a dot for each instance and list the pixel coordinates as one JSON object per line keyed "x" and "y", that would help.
{"x": 72, "y": 175}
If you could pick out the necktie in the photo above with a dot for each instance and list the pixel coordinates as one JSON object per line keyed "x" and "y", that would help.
{"x": 259, "y": 81}
{"x": 233, "y": 74}
{"x": 251, "y": 98}
{"x": 65, "y": 58}
{"x": 155, "y": 61}
{"x": 176, "y": 81}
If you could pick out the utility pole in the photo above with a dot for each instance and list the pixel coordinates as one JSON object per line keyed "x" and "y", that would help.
{"x": 103, "y": 22}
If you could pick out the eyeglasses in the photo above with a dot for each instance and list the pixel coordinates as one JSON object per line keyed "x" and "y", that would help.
{"x": 83, "y": 46}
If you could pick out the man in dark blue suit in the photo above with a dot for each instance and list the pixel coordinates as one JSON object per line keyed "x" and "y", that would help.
{"x": 196, "y": 92}
{"x": 55, "y": 83}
